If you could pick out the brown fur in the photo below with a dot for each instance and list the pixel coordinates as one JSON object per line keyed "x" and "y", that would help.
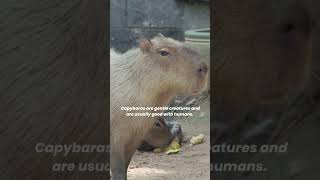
{"x": 142, "y": 77}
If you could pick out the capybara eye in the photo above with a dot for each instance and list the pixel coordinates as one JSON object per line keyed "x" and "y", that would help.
{"x": 157, "y": 124}
{"x": 164, "y": 53}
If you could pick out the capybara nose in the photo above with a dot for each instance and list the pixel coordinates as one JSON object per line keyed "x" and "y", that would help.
{"x": 202, "y": 69}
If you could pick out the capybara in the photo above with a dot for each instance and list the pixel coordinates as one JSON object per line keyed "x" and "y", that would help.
{"x": 161, "y": 134}
{"x": 148, "y": 76}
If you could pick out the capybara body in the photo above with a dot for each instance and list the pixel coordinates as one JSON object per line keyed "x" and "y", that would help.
{"x": 149, "y": 76}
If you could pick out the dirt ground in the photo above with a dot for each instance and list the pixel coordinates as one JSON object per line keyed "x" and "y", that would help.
{"x": 193, "y": 162}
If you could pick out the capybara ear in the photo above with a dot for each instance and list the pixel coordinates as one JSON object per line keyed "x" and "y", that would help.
{"x": 145, "y": 44}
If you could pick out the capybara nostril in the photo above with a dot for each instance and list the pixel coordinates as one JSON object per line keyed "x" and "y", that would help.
{"x": 203, "y": 69}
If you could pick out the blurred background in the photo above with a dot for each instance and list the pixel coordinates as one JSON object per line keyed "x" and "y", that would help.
{"x": 131, "y": 19}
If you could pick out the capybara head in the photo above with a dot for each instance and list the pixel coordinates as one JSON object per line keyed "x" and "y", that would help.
{"x": 160, "y": 134}
{"x": 174, "y": 68}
